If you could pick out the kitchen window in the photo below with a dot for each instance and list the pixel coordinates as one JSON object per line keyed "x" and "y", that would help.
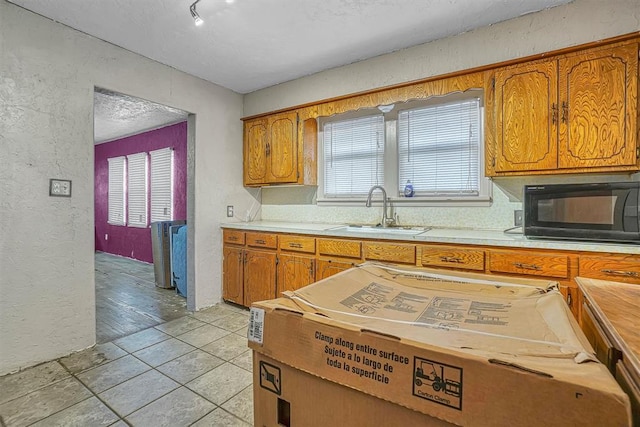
{"x": 436, "y": 145}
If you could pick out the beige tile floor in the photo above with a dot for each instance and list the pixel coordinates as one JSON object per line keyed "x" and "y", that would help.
{"x": 195, "y": 370}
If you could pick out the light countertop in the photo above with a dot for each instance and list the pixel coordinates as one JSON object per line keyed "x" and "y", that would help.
{"x": 435, "y": 235}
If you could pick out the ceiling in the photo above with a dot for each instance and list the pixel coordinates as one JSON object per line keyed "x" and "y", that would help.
{"x": 116, "y": 115}
{"x": 246, "y": 45}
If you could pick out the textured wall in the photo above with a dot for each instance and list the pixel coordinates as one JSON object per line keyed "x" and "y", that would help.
{"x": 135, "y": 242}
{"x": 47, "y": 77}
{"x": 578, "y": 22}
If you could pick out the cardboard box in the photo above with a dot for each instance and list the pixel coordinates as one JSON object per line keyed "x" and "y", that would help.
{"x": 447, "y": 348}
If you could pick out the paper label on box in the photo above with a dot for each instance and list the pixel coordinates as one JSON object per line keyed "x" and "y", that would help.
{"x": 256, "y": 325}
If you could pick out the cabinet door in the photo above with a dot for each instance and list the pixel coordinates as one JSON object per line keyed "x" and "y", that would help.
{"x": 259, "y": 276}
{"x": 282, "y": 148}
{"x": 526, "y": 117}
{"x": 232, "y": 283}
{"x": 295, "y": 272}
{"x": 598, "y": 111}
{"x": 327, "y": 268}
{"x": 255, "y": 146}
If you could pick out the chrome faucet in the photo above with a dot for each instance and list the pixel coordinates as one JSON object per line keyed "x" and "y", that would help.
{"x": 386, "y": 221}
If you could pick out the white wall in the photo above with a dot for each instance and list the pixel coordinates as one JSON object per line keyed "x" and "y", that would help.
{"x": 47, "y": 77}
{"x": 581, "y": 21}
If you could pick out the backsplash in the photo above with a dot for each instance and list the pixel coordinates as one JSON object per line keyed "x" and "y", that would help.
{"x": 498, "y": 216}
{"x": 298, "y": 204}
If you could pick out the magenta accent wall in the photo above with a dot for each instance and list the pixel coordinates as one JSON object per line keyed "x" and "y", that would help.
{"x": 132, "y": 242}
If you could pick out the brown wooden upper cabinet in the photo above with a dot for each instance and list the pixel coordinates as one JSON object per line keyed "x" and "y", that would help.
{"x": 572, "y": 113}
{"x": 271, "y": 150}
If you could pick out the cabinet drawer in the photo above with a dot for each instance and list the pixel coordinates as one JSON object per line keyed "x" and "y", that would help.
{"x": 234, "y": 237}
{"x": 298, "y": 244}
{"x": 605, "y": 351}
{"x": 336, "y": 247}
{"x": 529, "y": 263}
{"x": 452, "y": 257}
{"x": 617, "y": 269}
{"x": 262, "y": 240}
{"x": 391, "y": 252}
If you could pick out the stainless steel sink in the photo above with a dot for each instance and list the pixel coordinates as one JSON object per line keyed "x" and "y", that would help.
{"x": 372, "y": 229}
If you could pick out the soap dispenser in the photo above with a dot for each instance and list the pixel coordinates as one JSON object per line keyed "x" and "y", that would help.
{"x": 408, "y": 189}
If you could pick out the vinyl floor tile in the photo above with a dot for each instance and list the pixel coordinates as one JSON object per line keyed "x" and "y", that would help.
{"x": 190, "y": 366}
{"x": 21, "y": 383}
{"x": 203, "y": 335}
{"x": 221, "y": 383}
{"x": 142, "y": 339}
{"x": 43, "y": 402}
{"x": 180, "y": 326}
{"x": 138, "y": 392}
{"x": 241, "y": 405}
{"x": 163, "y": 352}
{"x": 220, "y": 418}
{"x": 113, "y": 373}
{"x": 181, "y": 407}
{"x": 92, "y": 357}
{"x": 89, "y": 412}
{"x": 227, "y": 347}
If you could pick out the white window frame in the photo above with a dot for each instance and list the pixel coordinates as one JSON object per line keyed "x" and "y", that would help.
{"x": 162, "y": 184}
{"x": 116, "y": 197}
{"x": 137, "y": 190}
{"x": 391, "y": 165}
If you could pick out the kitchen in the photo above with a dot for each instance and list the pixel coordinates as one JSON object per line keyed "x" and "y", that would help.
{"x": 56, "y": 69}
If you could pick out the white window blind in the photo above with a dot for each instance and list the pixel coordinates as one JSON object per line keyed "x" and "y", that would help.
{"x": 117, "y": 183}
{"x": 138, "y": 189}
{"x": 353, "y": 156}
{"x": 439, "y": 149}
{"x": 161, "y": 185}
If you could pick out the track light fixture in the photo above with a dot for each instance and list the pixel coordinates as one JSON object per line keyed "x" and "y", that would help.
{"x": 194, "y": 14}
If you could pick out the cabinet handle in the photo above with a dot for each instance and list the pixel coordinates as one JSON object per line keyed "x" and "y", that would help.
{"x": 268, "y": 151}
{"x": 565, "y": 111}
{"x": 233, "y": 238}
{"x": 527, "y": 266}
{"x": 311, "y": 271}
{"x": 619, "y": 273}
{"x": 295, "y": 245}
{"x": 554, "y": 113}
{"x": 244, "y": 258}
{"x": 451, "y": 259}
{"x": 260, "y": 242}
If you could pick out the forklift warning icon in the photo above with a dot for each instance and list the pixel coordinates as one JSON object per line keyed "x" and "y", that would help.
{"x": 270, "y": 377}
{"x": 437, "y": 382}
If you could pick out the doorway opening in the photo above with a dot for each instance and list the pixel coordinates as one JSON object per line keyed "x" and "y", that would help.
{"x": 140, "y": 187}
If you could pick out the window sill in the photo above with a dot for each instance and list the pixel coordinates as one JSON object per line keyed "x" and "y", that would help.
{"x": 412, "y": 202}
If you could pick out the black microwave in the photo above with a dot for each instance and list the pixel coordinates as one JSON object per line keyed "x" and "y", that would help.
{"x": 600, "y": 212}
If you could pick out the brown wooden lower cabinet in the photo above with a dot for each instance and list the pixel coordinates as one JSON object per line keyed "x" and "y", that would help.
{"x": 232, "y": 274}
{"x": 294, "y": 272}
{"x": 250, "y": 260}
{"x": 329, "y": 267}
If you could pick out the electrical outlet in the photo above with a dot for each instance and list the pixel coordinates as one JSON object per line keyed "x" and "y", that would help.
{"x": 517, "y": 217}
{"x": 230, "y": 211}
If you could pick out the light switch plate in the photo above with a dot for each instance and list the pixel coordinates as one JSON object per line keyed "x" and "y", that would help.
{"x": 60, "y": 187}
